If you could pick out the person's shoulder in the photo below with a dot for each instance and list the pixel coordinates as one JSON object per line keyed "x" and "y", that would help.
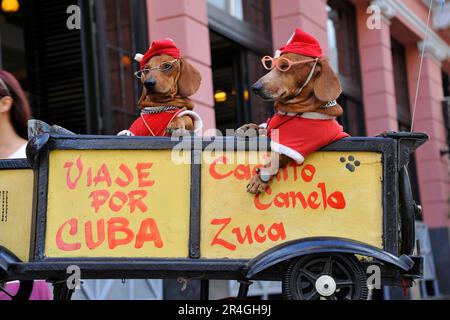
{"x": 20, "y": 153}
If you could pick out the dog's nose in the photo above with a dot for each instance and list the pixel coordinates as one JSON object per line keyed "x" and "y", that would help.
{"x": 150, "y": 83}
{"x": 257, "y": 87}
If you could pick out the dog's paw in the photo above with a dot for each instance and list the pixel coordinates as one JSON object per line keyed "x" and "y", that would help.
{"x": 256, "y": 185}
{"x": 126, "y": 133}
{"x": 250, "y": 130}
{"x": 176, "y": 128}
{"x": 178, "y": 132}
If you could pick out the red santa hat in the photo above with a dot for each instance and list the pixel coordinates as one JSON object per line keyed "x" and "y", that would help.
{"x": 159, "y": 47}
{"x": 301, "y": 43}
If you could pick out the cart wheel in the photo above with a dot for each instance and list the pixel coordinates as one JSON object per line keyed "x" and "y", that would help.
{"x": 61, "y": 292}
{"x": 325, "y": 277}
{"x": 23, "y": 292}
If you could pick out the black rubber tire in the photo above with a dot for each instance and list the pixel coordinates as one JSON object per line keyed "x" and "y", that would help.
{"x": 347, "y": 269}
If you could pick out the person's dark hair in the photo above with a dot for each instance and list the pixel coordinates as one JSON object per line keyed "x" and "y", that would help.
{"x": 20, "y": 111}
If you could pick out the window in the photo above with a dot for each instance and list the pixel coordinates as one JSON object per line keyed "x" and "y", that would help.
{"x": 401, "y": 85}
{"x": 344, "y": 57}
{"x": 232, "y": 7}
{"x": 254, "y": 12}
{"x": 446, "y": 107}
{"x": 446, "y": 84}
{"x": 235, "y": 69}
{"x": 237, "y": 46}
{"x": 403, "y": 105}
{"x": 124, "y": 34}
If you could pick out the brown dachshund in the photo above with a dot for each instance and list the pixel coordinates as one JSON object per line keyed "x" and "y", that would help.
{"x": 168, "y": 80}
{"x": 304, "y": 90}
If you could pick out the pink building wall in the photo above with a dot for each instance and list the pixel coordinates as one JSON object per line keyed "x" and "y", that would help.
{"x": 376, "y": 74}
{"x": 311, "y": 16}
{"x": 186, "y": 22}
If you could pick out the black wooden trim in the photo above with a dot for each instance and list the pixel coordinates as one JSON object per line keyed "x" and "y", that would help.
{"x": 41, "y": 212}
{"x": 14, "y": 164}
{"x": 53, "y": 269}
{"x": 195, "y": 221}
{"x": 34, "y": 215}
{"x": 111, "y": 143}
{"x": 390, "y": 198}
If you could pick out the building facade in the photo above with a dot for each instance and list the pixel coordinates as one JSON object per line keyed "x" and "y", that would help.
{"x": 83, "y": 80}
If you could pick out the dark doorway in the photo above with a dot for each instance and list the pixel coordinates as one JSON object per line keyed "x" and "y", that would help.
{"x": 230, "y": 92}
{"x": 235, "y": 69}
{"x": 240, "y": 35}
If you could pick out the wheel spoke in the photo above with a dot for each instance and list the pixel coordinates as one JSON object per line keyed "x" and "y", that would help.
{"x": 344, "y": 283}
{"x": 332, "y": 297}
{"x": 308, "y": 274}
{"x": 328, "y": 268}
{"x": 314, "y": 294}
{"x": 6, "y": 292}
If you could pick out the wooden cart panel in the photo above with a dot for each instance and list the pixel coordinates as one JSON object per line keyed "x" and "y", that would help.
{"x": 333, "y": 194}
{"x": 117, "y": 203}
{"x": 16, "y": 211}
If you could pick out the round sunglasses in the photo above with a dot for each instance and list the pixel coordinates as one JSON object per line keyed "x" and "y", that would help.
{"x": 282, "y": 64}
{"x": 164, "y": 67}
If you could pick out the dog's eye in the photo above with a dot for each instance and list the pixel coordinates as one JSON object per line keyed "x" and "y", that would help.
{"x": 284, "y": 66}
{"x": 166, "y": 66}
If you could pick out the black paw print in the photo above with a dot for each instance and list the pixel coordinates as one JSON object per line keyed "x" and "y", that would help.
{"x": 351, "y": 164}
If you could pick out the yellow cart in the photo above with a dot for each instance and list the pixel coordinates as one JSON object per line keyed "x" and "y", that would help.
{"x": 138, "y": 208}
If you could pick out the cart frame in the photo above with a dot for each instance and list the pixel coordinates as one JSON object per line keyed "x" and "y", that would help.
{"x": 396, "y": 259}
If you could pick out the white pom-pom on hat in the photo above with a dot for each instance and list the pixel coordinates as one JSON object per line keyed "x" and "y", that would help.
{"x": 138, "y": 57}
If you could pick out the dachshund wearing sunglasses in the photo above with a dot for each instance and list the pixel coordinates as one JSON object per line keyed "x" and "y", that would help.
{"x": 167, "y": 80}
{"x": 304, "y": 89}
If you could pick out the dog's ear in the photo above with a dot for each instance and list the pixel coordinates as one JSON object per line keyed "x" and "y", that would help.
{"x": 189, "y": 80}
{"x": 327, "y": 86}
{"x": 143, "y": 97}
